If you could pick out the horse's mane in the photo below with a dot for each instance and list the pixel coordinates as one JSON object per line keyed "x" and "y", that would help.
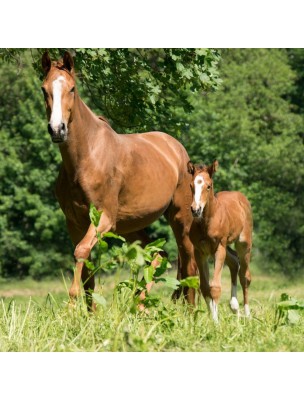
{"x": 59, "y": 65}
{"x": 102, "y": 118}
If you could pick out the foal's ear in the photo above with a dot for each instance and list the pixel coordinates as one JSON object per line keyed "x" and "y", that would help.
{"x": 190, "y": 167}
{"x": 68, "y": 61}
{"x": 46, "y": 62}
{"x": 213, "y": 168}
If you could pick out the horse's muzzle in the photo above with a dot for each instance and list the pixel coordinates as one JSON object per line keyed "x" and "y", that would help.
{"x": 59, "y": 134}
{"x": 196, "y": 212}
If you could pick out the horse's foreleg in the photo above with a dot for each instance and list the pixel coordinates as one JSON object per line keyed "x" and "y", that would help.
{"x": 216, "y": 284}
{"x": 82, "y": 252}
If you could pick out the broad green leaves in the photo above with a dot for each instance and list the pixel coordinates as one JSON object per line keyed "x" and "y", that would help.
{"x": 288, "y": 310}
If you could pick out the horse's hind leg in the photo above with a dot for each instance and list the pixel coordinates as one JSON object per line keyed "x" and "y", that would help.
{"x": 233, "y": 263}
{"x": 186, "y": 261}
{"x": 244, "y": 250}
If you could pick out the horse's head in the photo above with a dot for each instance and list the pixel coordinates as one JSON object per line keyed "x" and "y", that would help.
{"x": 201, "y": 186}
{"x": 59, "y": 92}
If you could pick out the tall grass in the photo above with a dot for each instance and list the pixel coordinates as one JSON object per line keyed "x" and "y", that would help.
{"x": 47, "y": 323}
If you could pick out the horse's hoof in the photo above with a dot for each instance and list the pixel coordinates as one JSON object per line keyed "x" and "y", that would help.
{"x": 247, "y": 310}
{"x": 234, "y": 305}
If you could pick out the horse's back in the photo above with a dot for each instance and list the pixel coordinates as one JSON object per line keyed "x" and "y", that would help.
{"x": 157, "y": 147}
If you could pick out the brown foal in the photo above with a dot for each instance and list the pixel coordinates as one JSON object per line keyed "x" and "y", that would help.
{"x": 220, "y": 219}
{"x": 133, "y": 179}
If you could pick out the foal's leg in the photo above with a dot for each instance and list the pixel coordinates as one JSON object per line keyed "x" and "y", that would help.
{"x": 216, "y": 285}
{"x": 233, "y": 263}
{"x": 244, "y": 251}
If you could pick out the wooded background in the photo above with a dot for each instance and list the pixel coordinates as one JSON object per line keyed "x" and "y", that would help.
{"x": 244, "y": 107}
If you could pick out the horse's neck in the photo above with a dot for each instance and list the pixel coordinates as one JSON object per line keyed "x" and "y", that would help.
{"x": 82, "y": 133}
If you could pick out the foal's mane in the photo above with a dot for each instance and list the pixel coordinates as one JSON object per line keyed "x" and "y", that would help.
{"x": 201, "y": 167}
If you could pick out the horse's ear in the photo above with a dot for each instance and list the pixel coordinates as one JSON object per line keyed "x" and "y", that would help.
{"x": 190, "y": 167}
{"x": 213, "y": 168}
{"x": 46, "y": 62}
{"x": 68, "y": 61}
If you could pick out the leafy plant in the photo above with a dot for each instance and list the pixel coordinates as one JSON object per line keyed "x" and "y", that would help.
{"x": 287, "y": 311}
{"x": 147, "y": 266}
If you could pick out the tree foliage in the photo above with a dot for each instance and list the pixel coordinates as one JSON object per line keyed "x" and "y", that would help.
{"x": 33, "y": 234}
{"x": 138, "y": 89}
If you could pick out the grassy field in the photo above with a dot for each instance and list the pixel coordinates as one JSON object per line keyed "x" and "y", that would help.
{"x": 35, "y": 316}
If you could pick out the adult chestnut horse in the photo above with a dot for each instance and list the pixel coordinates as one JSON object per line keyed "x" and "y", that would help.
{"x": 133, "y": 179}
{"x": 220, "y": 220}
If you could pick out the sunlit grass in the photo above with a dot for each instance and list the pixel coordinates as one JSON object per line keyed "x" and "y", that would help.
{"x": 35, "y": 316}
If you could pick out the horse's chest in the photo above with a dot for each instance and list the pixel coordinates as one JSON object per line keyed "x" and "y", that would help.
{"x": 73, "y": 202}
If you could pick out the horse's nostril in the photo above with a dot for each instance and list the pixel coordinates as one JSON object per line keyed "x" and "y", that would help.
{"x": 62, "y": 126}
{"x": 50, "y": 130}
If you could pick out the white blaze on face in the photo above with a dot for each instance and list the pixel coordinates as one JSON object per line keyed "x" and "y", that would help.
{"x": 56, "y": 116}
{"x": 198, "y": 188}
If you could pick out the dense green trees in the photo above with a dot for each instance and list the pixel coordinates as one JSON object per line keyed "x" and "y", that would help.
{"x": 253, "y": 124}
{"x": 33, "y": 235}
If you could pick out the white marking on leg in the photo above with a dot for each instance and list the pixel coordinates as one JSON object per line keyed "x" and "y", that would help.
{"x": 56, "y": 116}
{"x": 213, "y": 308}
{"x": 234, "y": 304}
{"x": 247, "y": 310}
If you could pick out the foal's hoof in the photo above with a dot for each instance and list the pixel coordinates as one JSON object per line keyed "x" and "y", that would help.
{"x": 234, "y": 305}
{"x": 247, "y": 310}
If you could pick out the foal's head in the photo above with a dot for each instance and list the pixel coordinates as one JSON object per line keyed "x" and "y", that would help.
{"x": 201, "y": 185}
{"x": 58, "y": 89}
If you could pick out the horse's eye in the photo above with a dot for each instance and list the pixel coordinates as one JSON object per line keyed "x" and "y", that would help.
{"x": 208, "y": 187}
{"x": 43, "y": 90}
{"x": 72, "y": 90}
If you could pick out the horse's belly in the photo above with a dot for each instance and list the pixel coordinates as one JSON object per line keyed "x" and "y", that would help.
{"x": 135, "y": 218}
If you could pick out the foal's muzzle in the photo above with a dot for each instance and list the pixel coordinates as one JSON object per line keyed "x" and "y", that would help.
{"x": 58, "y": 134}
{"x": 196, "y": 212}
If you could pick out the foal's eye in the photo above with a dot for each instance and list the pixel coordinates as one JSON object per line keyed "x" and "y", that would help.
{"x": 43, "y": 91}
{"x": 72, "y": 90}
{"x": 208, "y": 187}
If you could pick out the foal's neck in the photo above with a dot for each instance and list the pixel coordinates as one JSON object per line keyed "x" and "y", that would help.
{"x": 210, "y": 207}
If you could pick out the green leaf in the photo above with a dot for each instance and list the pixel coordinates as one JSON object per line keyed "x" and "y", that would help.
{"x": 286, "y": 305}
{"x": 191, "y": 282}
{"x": 103, "y": 246}
{"x": 159, "y": 243}
{"x": 170, "y": 282}
{"x": 148, "y": 273}
{"x": 131, "y": 253}
{"x": 89, "y": 265}
{"x": 164, "y": 265}
{"x": 99, "y": 299}
{"x": 293, "y": 316}
{"x": 114, "y": 236}
{"x": 94, "y": 215}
